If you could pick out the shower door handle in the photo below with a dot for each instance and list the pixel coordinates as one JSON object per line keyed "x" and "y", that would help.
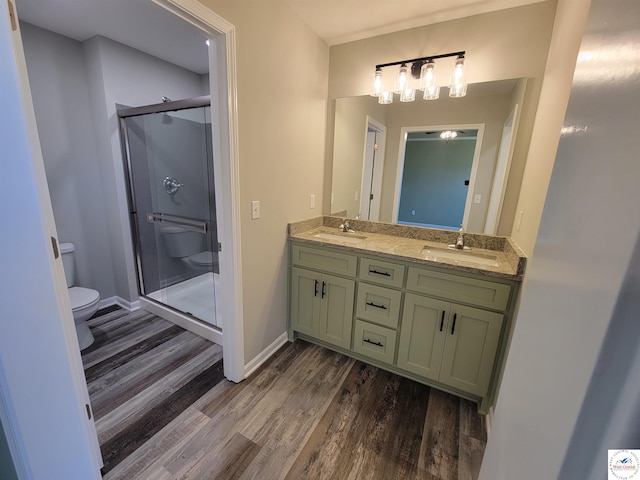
{"x": 200, "y": 226}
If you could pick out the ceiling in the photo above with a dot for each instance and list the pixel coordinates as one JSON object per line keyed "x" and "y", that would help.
{"x": 149, "y": 28}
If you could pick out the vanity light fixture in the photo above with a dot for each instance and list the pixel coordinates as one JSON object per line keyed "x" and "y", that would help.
{"x": 422, "y": 70}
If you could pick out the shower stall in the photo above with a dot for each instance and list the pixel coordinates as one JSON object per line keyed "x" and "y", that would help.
{"x": 168, "y": 155}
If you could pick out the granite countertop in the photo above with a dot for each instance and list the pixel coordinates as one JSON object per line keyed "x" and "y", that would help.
{"x": 492, "y": 256}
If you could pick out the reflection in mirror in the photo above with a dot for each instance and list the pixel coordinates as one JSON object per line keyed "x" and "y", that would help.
{"x": 493, "y": 105}
{"x": 438, "y": 171}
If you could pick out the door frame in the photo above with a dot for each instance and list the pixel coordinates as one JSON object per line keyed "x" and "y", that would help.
{"x": 404, "y": 131}
{"x": 372, "y": 169}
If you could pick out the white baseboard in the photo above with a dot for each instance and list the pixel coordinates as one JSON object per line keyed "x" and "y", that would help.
{"x": 115, "y": 300}
{"x": 184, "y": 321}
{"x": 263, "y": 356}
{"x": 489, "y": 419}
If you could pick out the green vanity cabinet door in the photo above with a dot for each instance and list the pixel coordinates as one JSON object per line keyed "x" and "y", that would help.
{"x": 305, "y": 308}
{"x": 422, "y": 340}
{"x": 336, "y": 310}
{"x": 322, "y": 306}
{"x": 472, "y": 338}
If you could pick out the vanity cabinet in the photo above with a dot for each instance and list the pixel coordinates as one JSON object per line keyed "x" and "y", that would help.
{"x": 435, "y": 325}
{"x": 321, "y": 303}
{"x": 450, "y": 343}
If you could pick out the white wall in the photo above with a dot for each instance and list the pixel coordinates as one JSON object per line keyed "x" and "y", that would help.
{"x": 582, "y": 284}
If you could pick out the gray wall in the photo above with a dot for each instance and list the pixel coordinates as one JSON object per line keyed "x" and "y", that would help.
{"x": 76, "y": 87}
{"x": 60, "y": 91}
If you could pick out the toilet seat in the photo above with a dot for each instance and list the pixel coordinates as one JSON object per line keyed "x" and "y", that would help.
{"x": 202, "y": 259}
{"x": 83, "y": 297}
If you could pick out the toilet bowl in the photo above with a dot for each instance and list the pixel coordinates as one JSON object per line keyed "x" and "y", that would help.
{"x": 84, "y": 301}
{"x": 188, "y": 245}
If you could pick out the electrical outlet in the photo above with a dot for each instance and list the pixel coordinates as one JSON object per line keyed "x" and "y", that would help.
{"x": 255, "y": 209}
{"x": 312, "y": 201}
{"x": 356, "y": 196}
{"x": 413, "y": 212}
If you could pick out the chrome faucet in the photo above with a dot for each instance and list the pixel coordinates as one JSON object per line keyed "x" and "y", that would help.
{"x": 460, "y": 240}
{"x": 345, "y": 227}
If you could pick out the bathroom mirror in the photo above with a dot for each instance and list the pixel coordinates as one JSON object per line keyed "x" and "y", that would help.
{"x": 369, "y": 144}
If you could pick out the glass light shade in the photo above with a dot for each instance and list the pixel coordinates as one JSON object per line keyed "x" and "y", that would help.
{"x": 408, "y": 95}
{"x": 403, "y": 80}
{"x": 458, "y": 82}
{"x": 431, "y": 93}
{"x": 448, "y": 134}
{"x": 378, "y": 87}
{"x": 385, "y": 98}
{"x": 427, "y": 75}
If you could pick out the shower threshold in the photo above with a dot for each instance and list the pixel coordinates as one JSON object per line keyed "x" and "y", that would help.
{"x": 194, "y": 297}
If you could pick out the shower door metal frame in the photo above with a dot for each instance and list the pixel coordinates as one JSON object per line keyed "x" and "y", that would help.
{"x": 123, "y": 114}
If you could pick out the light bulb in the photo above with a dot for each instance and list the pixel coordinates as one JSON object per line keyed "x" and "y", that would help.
{"x": 378, "y": 87}
{"x": 427, "y": 75}
{"x": 458, "y": 82}
{"x": 403, "y": 80}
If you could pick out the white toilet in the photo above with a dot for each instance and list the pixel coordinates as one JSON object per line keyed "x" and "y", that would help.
{"x": 84, "y": 301}
{"x": 188, "y": 246}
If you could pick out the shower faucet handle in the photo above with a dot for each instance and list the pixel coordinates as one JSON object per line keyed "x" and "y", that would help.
{"x": 171, "y": 185}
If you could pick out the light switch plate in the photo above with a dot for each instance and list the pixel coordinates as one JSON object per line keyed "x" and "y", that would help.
{"x": 312, "y": 201}
{"x": 255, "y": 209}
{"x": 477, "y": 198}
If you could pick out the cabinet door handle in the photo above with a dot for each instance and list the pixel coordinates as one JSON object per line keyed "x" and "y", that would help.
{"x": 377, "y": 306}
{"x": 380, "y": 273}
{"x": 442, "y": 321}
{"x": 453, "y": 326}
{"x": 315, "y": 289}
{"x": 323, "y": 289}
{"x": 378, "y": 344}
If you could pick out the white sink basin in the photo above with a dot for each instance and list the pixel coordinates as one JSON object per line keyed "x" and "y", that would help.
{"x": 341, "y": 237}
{"x": 466, "y": 256}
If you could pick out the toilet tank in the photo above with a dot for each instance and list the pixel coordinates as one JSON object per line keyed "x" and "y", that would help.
{"x": 181, "y": 242}
{"x": 67, "y": 249}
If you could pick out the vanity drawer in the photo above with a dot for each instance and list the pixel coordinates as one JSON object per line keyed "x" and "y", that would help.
{"x": 325, "y": 260}
{"x": 385, "y": 273}
{"x": 474, "y": 291}
{"x": 374, "y": 341}
{"x": 378, "y": 304}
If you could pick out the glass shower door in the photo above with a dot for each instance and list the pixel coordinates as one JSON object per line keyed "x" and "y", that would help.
{"x": 170, "y": 166}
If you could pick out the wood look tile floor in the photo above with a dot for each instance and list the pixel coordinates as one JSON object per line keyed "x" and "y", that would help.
{"x": 308, "y": 413}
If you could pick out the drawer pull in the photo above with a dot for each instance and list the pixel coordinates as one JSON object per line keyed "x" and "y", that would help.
{"x": 442, "y": 321}
{"x": 377, "y": 306}
{"x": 323, "y": 289}
{"x": 386, "y": 274}
{"x": 315, "y": 289}
{"x": 453, "y": 327}
{"x": 378, "y": 344}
